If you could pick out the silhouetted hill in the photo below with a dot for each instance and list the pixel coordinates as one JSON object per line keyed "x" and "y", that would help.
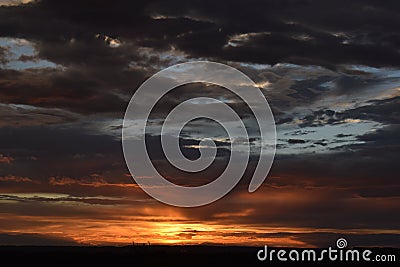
{"x": 153, "y": 255}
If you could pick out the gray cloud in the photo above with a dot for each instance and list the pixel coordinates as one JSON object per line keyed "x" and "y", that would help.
{"x": 59, "y": 120}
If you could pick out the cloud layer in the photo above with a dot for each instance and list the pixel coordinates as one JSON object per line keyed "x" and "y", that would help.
{"x": 329, "y": 70}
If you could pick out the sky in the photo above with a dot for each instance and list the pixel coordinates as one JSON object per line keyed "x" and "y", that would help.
{"x": 330, "y": 71}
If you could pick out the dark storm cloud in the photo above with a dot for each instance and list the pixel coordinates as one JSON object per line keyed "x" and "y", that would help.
{"x": 295, "y": 31}
{"x": 95, "y": 74}
{"x": 55, "y": 140}
{"x": 68, "y": 199}
{"x": 3, "y": 59}
{"x": 368, "y": 169}
{"x": 20, "y": 115}
{"x": 103, "y": 50}
{"x": 384, "y": 111}
{"x": 83, "y": 89}
{"x": 385, "y": 136}
{"x": 353, "y": 84}
{"x": 100, "y": 78}
{"x": 296, "y": 141}
{"x": 309, "y": 90}
{"x": 323, "y": 32}
{"x": 42, "y": 152}
{"x": 296, "y": 207}
{"x": 358, "y": 184}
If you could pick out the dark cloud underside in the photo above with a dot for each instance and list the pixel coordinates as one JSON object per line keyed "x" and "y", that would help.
{"x": 329, "y": 69}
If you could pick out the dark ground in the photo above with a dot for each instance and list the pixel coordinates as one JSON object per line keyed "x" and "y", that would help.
{"x": 153, "y": 256}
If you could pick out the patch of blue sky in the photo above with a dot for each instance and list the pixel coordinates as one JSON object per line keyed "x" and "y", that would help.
{"x": 323, "y": 139}
{"x": 255, "y": 65}
{"x": 380, "y": 72}
{"x": 15, "y": 49}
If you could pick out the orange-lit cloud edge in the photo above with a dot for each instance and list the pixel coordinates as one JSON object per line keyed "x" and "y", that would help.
{"x": 133, "y": 217}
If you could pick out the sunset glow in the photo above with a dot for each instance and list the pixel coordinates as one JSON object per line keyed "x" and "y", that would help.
{"x": 330, "y": 74}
